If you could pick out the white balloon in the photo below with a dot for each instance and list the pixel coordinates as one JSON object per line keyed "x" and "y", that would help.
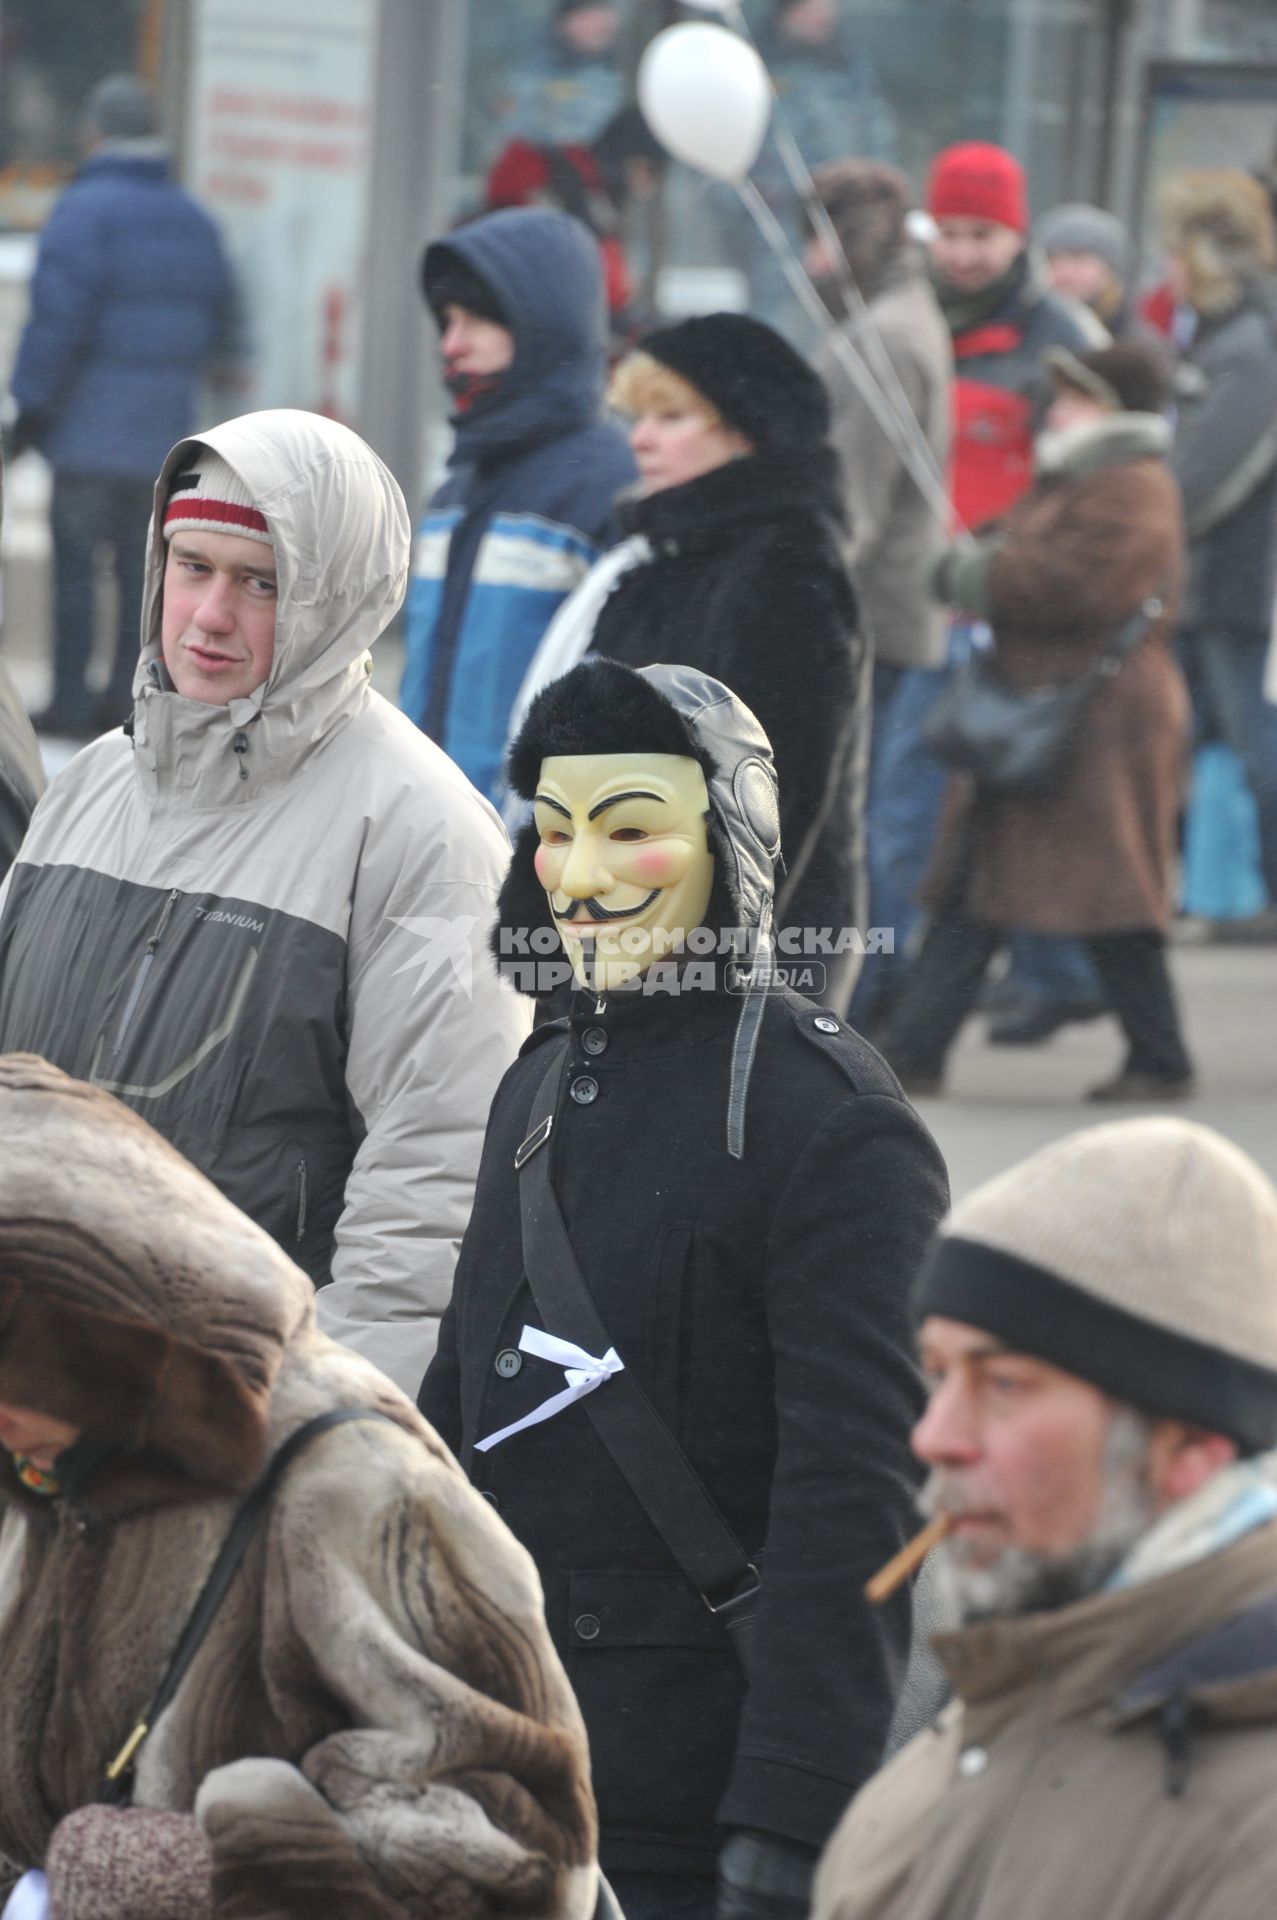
{"x": 706, "y": 96}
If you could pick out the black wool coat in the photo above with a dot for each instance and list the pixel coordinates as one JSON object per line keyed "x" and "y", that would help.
{"x": 747, "y": 583}
{"x": 763, "y": 1305}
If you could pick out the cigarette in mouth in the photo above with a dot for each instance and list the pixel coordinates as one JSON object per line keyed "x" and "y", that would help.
{"x": 907, "y": 1561}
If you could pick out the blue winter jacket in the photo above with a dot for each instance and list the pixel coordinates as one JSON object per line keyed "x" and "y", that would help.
{"x": 131, "y": 292}
{"x": 527, "y": 503}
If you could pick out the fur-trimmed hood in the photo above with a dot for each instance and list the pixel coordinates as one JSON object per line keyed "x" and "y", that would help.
{"x": 1219, "y": 220}
{"x": 867, "y": 201}
{"x": 375, "y": 1722}
{"x": 135, "y": 1302}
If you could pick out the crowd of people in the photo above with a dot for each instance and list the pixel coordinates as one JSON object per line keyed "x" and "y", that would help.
{"x": 478, "y": 1304}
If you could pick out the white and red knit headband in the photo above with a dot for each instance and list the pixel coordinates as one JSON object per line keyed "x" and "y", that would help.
{"x": 209, "y": 497}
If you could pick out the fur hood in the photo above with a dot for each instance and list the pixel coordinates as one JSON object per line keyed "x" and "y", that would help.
{"x": 375, "y": 1722}
{"x": 867, "y": 203}
{"x": 1219, "y": 220}
{"x": 135, "y": 1302}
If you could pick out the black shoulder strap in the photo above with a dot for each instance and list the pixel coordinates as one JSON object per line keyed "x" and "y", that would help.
{"x": 658, "y": 1471}
{"x": 119, "y": 1775}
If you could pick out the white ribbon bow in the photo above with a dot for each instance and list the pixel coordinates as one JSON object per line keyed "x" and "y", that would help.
{"x": 29, "y": 1899}
{"x": 582, "y": 1371}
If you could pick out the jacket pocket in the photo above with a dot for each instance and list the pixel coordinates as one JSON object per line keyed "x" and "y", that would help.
{"x": 661, "y": 1691}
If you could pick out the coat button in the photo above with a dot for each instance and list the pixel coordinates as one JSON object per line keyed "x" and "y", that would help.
{"x": 508, "y": 1362}
{"x": 586, "y": 1626}
{"x": 594, "y": 1040}
{"x": 584, "y": 1090}
{"x": 491, "y": 1498}
{"x": 823, "y": 1024}
{"x": 972, "y": 1761}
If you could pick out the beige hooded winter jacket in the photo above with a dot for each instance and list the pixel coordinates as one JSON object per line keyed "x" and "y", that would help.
{"x": 262, "y": 925}
{"x": 376, "y": 1724}
{"x": 1116, "y": 1760}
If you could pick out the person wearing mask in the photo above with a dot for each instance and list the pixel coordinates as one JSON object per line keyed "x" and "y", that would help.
{"x": 1221, "y": 246}
{"x": 255, "y": 916}
{"x": 526, "y": 506}
{"x": 1097, "y": 536}
{"x": 746, "y": 1195}
{"x": 131, "y": 302}
{"x": 1098, "y": 1332}
{"x": 1002, "y": 318}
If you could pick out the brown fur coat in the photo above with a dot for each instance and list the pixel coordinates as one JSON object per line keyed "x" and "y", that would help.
{"x": 1058, "y": 577}
{"x": 376, "y": 1724}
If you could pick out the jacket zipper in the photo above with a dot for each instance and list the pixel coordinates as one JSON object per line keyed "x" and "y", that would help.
{"x": 301, "y": 1199}
{"x": 139, "y": 980}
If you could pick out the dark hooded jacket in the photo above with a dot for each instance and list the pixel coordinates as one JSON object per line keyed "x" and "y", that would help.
{"x": 746, "y": 582}
{"x": 761, "y": 1302}
{"x": 527, "y": 503}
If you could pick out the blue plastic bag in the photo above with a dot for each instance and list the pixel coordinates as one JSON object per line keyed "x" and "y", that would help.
{"x": 1221, "y": 878}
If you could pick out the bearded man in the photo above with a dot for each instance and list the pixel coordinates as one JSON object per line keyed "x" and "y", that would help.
{"x": 1099, "y": 1331}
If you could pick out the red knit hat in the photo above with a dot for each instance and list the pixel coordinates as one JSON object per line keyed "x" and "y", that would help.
{"x": 977, "y": 180}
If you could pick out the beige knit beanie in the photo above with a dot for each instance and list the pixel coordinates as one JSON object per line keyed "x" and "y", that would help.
{"x": 1141, "y": 1256}
{"x": 208, "y": 496}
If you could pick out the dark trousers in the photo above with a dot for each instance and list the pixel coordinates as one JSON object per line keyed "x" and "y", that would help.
{"x": 654, "y": 1896}
{"x": 943, "y": 982}
{"x": 91, "y": 511}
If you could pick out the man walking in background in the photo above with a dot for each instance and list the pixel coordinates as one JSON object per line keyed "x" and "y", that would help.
{"x": 527, "y": 503}
{"x": 130, "y": 300}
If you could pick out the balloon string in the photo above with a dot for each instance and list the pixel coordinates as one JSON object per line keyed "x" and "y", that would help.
{"x": 905, "y": 432}
{"x": 924, "y": 471}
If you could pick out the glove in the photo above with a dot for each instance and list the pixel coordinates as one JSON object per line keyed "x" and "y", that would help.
{"x": 764, "y": 1877}
{"x": 120, "y": 1863}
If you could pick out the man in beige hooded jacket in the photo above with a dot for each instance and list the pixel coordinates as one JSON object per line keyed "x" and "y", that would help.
{"x": 259, "y": 920}
{"x": 1099, "y": 1329}
{"x": 375, "y": 1723}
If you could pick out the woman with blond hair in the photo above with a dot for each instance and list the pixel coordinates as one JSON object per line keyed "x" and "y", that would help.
{"x": 732, "y": 565}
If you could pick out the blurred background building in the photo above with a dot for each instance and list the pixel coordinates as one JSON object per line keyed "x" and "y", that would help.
{"x": 330, "y": 138}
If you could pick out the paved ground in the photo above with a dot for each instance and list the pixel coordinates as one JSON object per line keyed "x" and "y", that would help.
{"x": 1003, "y": 1102}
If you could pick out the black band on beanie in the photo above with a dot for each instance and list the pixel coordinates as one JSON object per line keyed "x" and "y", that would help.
{"x": 1151, "y": 1367}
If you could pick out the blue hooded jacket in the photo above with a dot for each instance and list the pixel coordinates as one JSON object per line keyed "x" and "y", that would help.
{"x": 527, "y": 504}
{"x": 130, "y": 296}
